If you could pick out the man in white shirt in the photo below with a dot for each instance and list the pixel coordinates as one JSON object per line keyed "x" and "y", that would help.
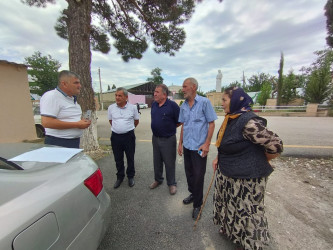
{"x": 123, "y": 117}
{"x": 61, "y": 114}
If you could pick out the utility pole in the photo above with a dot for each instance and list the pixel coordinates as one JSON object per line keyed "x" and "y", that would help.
{"x": 100, "y": 88}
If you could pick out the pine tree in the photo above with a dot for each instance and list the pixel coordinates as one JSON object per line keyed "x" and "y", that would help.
{"x": 129, "y": 23}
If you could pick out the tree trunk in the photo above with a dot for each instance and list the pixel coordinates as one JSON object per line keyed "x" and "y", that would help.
{"x": 79, "y": 19}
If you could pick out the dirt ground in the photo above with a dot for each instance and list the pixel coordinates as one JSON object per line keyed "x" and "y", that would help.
{"x": 299, "y": 203}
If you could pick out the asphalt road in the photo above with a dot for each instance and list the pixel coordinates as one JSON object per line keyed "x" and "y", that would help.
{"x": 302, "y": 136}
{"x": 153, "y": 219}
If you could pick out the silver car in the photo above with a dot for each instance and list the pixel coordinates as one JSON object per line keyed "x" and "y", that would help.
{"x": 143, "y": 105}
{"x": 51, "y": 205}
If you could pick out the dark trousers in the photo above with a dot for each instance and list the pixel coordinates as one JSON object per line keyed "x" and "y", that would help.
{"x": 195, "y": 169}
{"x": 164, "y": 151}
{"x": 57, "y": 141}
{"x": 124, "y": 143}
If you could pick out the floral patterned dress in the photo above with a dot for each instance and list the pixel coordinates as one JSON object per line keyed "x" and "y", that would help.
{"x": 239, "y": 203}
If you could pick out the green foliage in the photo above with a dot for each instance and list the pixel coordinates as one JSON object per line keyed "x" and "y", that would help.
{"x": 131, "y": 24}
{"x": 233, "y": 84}
{"x": 319, "y": 79}
{"x": 109, "y": 88}
{"x": 264, "y": 94}
{"x": 44, "y": 72}
{"x": 157, "y": 78}
{"x": 181, "y": 102}
{"x": 256, "y": 82}
{"x": 114, "y": 86}
{"x": 181, "y": 94}
{"x": 280, "y": 81}
{"x": 318, "y": 88}
{"x": 300, "y": 81}
{"x": 213, "y": 91}
{"x": 201, "y": 93}
{"x": 288, "y": 91}
{"x": 329, "y": 22}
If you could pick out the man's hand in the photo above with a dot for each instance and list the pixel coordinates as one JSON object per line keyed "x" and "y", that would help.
{"x": 205, "y": 149}
{"x": 51, "y": 122}
{"x": 82, "y": 124}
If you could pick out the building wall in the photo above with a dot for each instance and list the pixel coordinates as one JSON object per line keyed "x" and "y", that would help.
{"x": 134, "y": 99}
{"x": 16, "y": 116}
{"x": 110, "y": 97}
{"x": 174, "y": 89}
{"x": 215, "y": 98}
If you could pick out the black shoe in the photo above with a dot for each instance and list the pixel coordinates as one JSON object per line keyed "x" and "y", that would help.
{"x": 131, "y": 182}
{"x": 195, "y": 213}
{"x": 117, "y": 184}
{"x": 188, "y": 199}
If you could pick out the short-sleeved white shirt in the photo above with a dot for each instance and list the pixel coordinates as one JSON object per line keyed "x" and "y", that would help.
{"x": 123, "y": 118}
{"x": 57, "y": 104}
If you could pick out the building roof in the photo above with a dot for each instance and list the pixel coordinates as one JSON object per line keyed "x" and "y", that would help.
{"x": 146, "y": 88}
{"x": 12, "y": 63}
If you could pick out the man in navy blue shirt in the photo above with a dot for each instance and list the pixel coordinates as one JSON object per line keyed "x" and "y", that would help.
{"x": 164, "y": 123}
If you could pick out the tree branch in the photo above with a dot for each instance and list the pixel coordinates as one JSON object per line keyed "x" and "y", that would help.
{"x": 143, "y": 15}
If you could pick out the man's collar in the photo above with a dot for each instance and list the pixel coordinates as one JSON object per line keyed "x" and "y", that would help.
{"x": 123, "y": 106}
{"x": 165, "y": 103}
{"x": 62, "y": 92}
{"x": 195, "y": 98}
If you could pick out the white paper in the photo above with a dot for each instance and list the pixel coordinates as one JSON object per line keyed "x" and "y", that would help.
{"x": 48, "y": 154}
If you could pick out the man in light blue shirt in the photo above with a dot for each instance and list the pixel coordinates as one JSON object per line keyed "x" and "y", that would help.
{"x": 197, "y": 117}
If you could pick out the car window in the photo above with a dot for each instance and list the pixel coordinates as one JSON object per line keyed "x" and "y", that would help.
{"x": 4, "y": 164}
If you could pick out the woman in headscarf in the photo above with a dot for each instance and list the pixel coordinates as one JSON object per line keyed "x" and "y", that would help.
{"x": 245, "y": 147}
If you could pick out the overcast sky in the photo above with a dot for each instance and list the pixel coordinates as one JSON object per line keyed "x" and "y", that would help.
{"x": 233, "y": 36}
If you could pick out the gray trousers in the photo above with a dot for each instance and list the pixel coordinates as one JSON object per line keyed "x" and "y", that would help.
{"x": 164, "y": 151}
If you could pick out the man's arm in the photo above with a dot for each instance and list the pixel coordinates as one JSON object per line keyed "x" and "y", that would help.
{"x": 136, "y": 123}
{"x": 205, "y": 147}
{"x": 180, "y": 145}
{"x": 51, "y": 122}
